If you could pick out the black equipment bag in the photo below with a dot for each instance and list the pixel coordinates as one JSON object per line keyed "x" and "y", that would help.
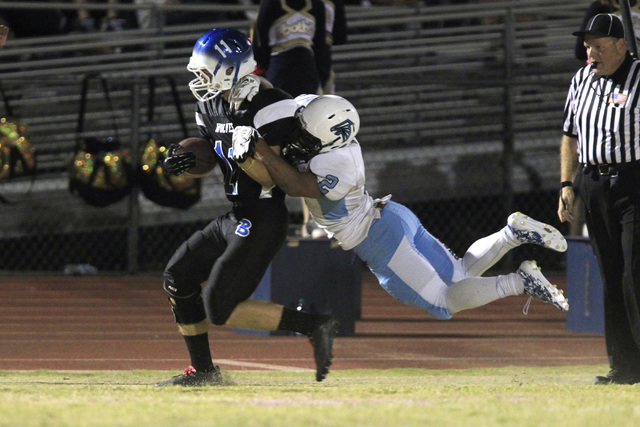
{"x": 100, "y": 171}
{"x": 166, "y": 190}
{"x": 17, "y": 153}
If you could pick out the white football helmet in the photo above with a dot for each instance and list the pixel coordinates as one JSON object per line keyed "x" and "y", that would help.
{"x": 220, "y": 58}
{"x": 327, "y": 122}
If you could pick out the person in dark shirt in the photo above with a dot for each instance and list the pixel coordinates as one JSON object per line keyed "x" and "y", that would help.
{"x": 4, "y": 33}
{"x": 290, "y": 45}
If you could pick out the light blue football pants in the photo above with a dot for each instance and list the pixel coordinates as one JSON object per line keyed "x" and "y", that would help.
{"x": 417, "y": 269}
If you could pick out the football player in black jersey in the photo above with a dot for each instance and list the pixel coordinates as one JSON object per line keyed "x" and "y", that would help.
{"x": 232, "y": 253}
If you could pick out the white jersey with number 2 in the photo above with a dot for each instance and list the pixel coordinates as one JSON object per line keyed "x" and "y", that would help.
{"x": 347, "y": 211}
{"x": 410, "y": 263}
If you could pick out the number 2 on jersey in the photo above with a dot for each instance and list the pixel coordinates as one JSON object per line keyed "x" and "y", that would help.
{"x": 329, "y": 182}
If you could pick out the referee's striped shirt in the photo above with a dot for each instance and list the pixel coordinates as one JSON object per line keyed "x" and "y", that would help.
{"x": 603, "y": 113}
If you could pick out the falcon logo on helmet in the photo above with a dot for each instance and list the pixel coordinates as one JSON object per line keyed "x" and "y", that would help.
{"x": 343, "y": 130}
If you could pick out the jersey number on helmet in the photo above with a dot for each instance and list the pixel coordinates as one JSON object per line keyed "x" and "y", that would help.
{"x": 220, "y": 50}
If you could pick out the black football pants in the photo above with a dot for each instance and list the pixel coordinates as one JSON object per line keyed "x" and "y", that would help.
{"x": 231, "y": 254}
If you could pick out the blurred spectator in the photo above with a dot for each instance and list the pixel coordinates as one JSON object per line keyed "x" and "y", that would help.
{"x": 4, "y": 33}
{"x": 290, "y": 45}
{"x": 89, "y": 21}
{"x": 336, "y": 29}
{"x": 34, "y": 22}
{"x": 150, "y": 18}
{"x": 186, "y": 16}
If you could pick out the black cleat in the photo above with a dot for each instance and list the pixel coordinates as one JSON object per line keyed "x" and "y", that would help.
{"x": 192, "y": 378}
{"x": 322, "y": 342}
{"x": 616, "y": 377}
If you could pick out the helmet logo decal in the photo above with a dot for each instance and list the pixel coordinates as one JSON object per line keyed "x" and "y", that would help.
{"x": 343, "y": 129}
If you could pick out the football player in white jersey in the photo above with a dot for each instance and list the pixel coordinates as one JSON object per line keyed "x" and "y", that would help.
{"x": 411, "y": 264}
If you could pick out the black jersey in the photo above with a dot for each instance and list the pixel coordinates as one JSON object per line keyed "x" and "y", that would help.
{"x": 271, "y": 112}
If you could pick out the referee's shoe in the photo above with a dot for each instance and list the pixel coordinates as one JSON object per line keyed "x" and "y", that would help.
{"x": 617, "y": 376}
{"x": 322, "y": 341}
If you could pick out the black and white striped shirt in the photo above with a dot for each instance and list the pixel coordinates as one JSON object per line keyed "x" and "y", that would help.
{"x": 603, "y": 113}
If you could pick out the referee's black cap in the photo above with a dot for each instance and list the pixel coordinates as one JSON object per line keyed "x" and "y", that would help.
{"x": 603, "y": 25}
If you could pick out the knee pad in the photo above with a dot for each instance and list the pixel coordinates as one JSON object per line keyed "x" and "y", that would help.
{"x": 186, "y": 303}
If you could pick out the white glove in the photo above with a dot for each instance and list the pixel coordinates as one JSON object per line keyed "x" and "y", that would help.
{"x": 244, "y": 142}
{"x": 244, "y": 90}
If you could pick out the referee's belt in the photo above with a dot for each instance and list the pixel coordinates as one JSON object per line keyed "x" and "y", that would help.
{"x": 606, "y": 169}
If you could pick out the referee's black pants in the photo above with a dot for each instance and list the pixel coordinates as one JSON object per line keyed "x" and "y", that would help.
{"x": 612, "y": 205}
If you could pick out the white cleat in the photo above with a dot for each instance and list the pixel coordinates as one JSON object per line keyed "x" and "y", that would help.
{"x": 528, "y": 230}
{"x": 538, "y": 287}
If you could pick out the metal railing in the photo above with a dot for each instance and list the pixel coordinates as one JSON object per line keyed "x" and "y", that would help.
{"x": 460, "y": 105}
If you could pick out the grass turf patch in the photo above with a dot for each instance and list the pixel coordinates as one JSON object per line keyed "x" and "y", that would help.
{"x": 397, "y": 397}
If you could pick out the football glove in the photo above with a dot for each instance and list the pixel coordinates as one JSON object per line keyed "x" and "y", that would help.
{"x": 178, "y": 163}
{"x": 244, "y": 90}
{"x": 244, "y": 142}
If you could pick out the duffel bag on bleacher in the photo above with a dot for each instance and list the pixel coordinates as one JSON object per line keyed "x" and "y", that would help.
{"x": 17, "y": 155}
{"x": 166, "y": 190}
{"x": 100, "y": 171}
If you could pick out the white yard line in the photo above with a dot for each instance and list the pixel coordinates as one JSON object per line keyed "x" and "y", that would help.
{"x": 228, "y": 362}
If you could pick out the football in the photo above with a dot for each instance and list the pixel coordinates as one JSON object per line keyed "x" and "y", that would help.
{"x": 205, "y": 157}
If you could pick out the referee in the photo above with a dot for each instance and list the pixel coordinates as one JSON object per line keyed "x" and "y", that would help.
{"x": 601, "y": 142}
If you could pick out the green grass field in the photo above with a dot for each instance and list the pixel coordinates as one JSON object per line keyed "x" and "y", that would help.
{"x": 514, "y": 396}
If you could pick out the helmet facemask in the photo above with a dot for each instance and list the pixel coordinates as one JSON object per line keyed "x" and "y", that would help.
{"x": 202, "y": 87}
{"x": 304, "y": 145}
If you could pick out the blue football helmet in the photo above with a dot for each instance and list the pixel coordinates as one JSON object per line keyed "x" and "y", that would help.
{"x": 220, "y": 58}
